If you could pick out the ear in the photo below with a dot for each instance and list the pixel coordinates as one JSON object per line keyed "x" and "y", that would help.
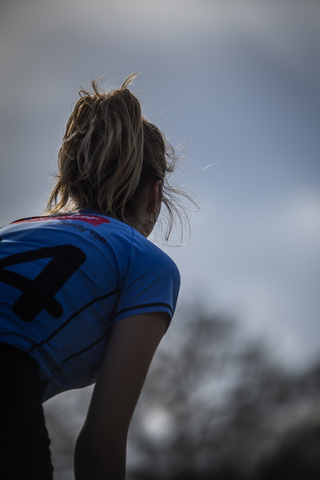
{"x": 154, "y": 198}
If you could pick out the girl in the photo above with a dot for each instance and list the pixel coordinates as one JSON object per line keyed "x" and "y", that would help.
{"x": 85, "y": 296}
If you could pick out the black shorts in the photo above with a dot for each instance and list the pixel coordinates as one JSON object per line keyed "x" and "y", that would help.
{"x": 24, "y": 441}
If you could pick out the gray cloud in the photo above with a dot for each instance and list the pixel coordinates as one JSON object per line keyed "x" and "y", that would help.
{"x": 238, "y": 82}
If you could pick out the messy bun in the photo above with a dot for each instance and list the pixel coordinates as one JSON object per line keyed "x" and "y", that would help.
{"x": 108, "y": 154}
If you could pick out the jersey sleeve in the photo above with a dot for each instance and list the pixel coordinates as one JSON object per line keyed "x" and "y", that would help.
{"x": 151, "y": 282}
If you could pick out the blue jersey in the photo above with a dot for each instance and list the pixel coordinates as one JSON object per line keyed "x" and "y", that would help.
{"x": 66, "y": 279}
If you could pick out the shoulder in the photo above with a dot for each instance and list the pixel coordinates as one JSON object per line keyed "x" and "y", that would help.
{"x": 153, "y": 257}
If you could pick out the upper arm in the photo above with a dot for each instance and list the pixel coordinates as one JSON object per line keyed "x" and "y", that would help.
{"x": 132, "y": 344}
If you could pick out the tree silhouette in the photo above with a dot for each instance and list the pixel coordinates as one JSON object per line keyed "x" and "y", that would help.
{"x": 222, "y": 404}
{"x": 214, "y": 406}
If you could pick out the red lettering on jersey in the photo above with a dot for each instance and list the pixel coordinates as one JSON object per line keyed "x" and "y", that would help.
{"x": 92, "y": 219}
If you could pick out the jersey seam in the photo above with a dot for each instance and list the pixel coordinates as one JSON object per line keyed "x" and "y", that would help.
{"x": 76, "y": 355}
{"x": 145, "y": 305}
{"x": 78, "y": 312}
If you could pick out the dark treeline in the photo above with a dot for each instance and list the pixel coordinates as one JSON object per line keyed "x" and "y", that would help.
{"x": 214, "y": 407}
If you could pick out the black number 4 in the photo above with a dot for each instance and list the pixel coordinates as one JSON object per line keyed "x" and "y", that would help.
{"x": 38, "y": 294}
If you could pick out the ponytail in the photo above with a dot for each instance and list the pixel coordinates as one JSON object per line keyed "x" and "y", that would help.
{"x": 109, "y": 152}
{"x": 101, "y": 156}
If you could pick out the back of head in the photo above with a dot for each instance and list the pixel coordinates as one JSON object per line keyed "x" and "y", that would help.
{"x": 108, "y": 154}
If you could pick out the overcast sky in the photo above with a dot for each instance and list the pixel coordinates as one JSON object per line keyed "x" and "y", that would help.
{"x": 238, "y": 84}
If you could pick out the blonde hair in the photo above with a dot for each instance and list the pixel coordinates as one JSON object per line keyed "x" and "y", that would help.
{"x": 109, "y": 153}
